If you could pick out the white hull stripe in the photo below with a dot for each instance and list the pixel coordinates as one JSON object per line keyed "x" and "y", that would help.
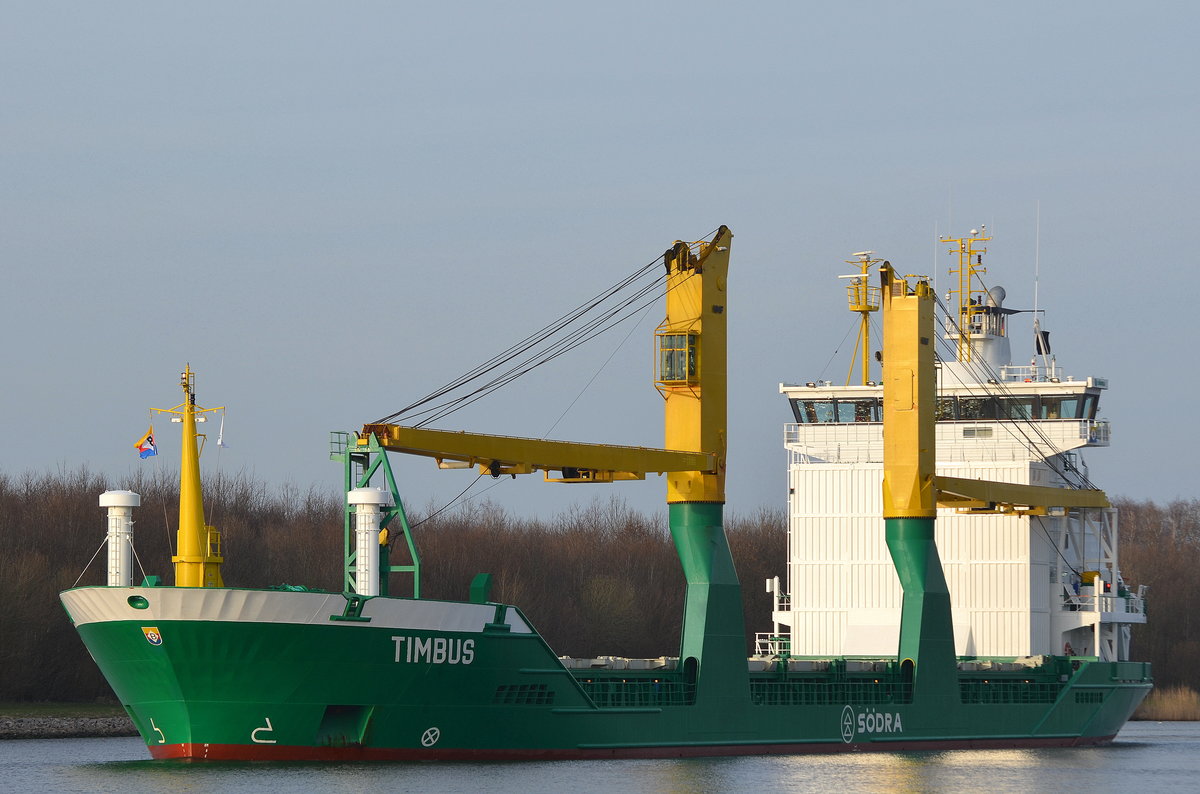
{"x": 103, "y": 604}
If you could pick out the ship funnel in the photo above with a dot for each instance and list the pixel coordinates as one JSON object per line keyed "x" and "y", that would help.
{"x": 120, "y": 506}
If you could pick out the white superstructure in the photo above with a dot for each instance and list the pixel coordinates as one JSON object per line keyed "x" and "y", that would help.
{"x": 1020, "y": 586}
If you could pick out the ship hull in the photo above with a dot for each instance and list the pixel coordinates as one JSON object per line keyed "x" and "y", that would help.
{"x": 222, "y": 673}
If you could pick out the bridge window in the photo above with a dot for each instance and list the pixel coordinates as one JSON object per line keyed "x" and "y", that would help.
{"x": 831, "y": 411}
{"x": 811, "y": 412}
{"x": 1090, "y": 402}
{"x": 976, "y": 408}
{"x": 1069, "y": 406}
{"x": 863, "y": 410}
{"x": 1056, "y": 407}
{"x": 1016, "y": 407}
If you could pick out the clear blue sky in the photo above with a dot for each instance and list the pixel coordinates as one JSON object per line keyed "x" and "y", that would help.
{"x": 330, "y": 209}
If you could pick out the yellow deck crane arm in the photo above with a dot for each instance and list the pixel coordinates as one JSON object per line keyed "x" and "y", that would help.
{"x": 561, "y": 461}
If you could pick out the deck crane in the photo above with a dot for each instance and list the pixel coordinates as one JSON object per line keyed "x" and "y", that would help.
{"x": 691, "y": 375}
{"x": 912, "y": 491}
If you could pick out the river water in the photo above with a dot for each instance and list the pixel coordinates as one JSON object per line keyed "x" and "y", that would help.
{"x": 1146, "y": 757}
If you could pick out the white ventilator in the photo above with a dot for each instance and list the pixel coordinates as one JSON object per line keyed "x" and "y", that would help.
{"x": 367, "y": 504}
{"x": 120, "y": 506}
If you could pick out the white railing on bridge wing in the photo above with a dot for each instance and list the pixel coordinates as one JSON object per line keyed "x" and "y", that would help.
{"x": 961, "y": 441}
{"x": 1118, "y": 604}
{"x": 768, "y": 644}
{"x": 853, "y": 442}
{"x": 1030, "y": 374}
{"x": 1097, "y": 433}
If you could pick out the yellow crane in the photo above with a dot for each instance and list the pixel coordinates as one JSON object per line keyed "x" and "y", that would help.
{"x": 690, "y": 374}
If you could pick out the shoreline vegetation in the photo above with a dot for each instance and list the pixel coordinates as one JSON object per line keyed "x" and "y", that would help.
{"x": 599, "y": 578}
{"x": 1171, "y": 704}
{"x": 63, "y": 721}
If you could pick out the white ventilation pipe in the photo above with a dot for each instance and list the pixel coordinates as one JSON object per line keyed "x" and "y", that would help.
{"x": 120, "y": 506}
{"x": 367, "y": 504}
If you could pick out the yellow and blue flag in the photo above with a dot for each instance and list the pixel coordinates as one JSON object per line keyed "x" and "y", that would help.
{"x": 145, "y": 445}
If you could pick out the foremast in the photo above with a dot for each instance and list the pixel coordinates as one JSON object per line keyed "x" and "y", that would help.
{"x": 198, "y": 561}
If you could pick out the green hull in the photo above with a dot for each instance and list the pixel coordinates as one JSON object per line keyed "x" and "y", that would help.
{"x": 249, "y": 674}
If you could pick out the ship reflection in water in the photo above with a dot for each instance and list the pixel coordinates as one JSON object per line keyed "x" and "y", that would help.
{"x": 1147, "y": 756}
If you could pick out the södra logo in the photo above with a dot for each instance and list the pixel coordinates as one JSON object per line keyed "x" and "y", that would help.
{"x": 868, "y": 722}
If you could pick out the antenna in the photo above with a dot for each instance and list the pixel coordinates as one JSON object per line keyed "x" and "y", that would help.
{"x": 1037, "y": 256}
{"x": 1041, "y": 339}
{"x": 933, "y": 267}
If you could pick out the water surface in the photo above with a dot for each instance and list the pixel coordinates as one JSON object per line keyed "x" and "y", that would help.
{"x": 1146, "y": 757}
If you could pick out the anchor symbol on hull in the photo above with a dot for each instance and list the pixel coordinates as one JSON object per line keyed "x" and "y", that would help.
{"x": 266, "y": 729}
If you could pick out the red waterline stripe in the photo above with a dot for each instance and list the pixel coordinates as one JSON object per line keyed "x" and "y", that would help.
{"x": 275, "y": 752}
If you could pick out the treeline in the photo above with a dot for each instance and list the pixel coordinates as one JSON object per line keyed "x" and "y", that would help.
{"x": 1160, "y": 548}
{"x": 598, "y": 579}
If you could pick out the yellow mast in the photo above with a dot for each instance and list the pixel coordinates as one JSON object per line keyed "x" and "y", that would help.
{"x": 970, "y": 297}
{"x": 864, "y": 299}
{"x": 198, "y": 563}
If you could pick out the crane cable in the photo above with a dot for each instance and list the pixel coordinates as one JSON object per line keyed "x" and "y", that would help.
{"x": 983, "y": 371}
{"x": 606, "y": 321}
{"x": 567, "y": 332}
{"x": 553, "y": 350}
{"x": 530, "y": 342}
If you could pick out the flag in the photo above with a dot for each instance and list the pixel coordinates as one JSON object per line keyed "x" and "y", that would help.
{"x": 145, "y": 445}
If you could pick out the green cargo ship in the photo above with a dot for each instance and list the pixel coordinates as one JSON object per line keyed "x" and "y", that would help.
{"x": 214, "y": 672}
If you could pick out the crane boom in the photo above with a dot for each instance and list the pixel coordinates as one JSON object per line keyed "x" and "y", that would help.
{"x": 575, "y": 462}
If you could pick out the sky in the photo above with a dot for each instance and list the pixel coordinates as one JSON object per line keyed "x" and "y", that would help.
{"x": 329, "y": 210}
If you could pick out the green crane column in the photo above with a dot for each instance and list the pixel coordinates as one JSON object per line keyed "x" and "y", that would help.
{"x": 909, "y": 497}
{"x": 713, "y": 626}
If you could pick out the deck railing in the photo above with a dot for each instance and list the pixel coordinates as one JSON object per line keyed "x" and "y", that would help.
{"x": 958, "y": 441}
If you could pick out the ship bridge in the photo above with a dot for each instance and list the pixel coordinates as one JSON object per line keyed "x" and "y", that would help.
{"x": 1025, "y": 420}
{"x": 1036, "y": 581}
